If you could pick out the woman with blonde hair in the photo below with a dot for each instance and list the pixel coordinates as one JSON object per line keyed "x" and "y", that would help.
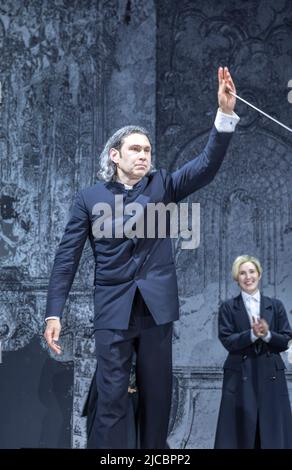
{"x": 255, "y": 410}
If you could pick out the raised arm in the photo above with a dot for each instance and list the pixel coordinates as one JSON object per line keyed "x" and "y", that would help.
{"x": 201, "y": 170}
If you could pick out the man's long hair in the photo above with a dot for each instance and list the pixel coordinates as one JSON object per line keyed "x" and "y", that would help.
{"x": 107, "y": 168}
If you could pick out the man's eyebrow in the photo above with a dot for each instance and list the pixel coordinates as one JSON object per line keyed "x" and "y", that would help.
{"x": 141, "y": 146}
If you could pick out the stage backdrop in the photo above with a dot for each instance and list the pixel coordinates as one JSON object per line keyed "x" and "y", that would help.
{"x": 72, "y": 72}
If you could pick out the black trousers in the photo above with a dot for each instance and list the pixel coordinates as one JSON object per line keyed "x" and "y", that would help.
{"x": 114, "y": 352}
{"x": 257, "y": 441}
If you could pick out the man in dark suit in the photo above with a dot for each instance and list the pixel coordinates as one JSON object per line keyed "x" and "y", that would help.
{"x": 135, "y": 297}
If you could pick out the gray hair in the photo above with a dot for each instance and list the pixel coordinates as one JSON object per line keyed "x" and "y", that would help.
{"x": 107, "y": 168}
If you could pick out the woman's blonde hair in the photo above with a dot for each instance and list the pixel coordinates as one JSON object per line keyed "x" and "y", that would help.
{"x": 245, "y": 259}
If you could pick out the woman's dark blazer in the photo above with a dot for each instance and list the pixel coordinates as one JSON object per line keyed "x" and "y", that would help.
{"x": 254, "y": 383}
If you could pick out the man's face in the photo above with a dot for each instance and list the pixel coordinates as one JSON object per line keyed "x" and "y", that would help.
{"x": 133, "y": 161}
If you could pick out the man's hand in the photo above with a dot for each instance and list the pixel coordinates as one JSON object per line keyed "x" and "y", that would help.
{"x": 52, "y": 333}
{"x": 225, "y": 100}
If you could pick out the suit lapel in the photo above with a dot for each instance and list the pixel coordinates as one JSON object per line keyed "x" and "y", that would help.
{"x": 242, "y": 318}
{"x": 266, "y": 309}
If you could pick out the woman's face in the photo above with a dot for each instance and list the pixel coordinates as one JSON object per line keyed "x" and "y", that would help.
{"x": 248, "y": 277}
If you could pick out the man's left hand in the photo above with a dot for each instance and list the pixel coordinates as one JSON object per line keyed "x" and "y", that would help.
{"x": 225, "y": 100}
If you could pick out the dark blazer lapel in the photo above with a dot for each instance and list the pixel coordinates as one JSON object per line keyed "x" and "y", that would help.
{"x": 266, "y": 309}
{"x": 242, "y": 318}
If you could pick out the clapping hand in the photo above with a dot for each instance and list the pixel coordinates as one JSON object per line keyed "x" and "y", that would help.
{"x": 260, "y": 327}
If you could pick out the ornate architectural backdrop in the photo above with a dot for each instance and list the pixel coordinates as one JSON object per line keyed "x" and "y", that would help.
{"x": 71, "y": 73}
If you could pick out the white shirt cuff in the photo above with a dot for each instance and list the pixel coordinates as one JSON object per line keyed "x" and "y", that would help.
{"x": 253, "y": 337}
{"x": 267, "y": 338}
{"x": 52, "y": 318}
{"x": 289, "y": 351}
{"x": 226, "y": 122}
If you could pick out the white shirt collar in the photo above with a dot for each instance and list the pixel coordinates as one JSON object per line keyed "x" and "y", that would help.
{"x": 127, "y": 186}
{"x": 247, "y": 297}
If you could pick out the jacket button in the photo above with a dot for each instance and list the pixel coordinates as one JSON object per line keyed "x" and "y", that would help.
{"x": 244, "y": 357}
{"x": 273, "y": 378}
{"x": 244, "y": 378}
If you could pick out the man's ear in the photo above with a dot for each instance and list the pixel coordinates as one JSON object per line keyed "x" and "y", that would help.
{"x": 115, "y": 155}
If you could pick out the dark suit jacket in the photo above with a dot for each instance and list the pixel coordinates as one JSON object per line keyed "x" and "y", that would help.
{"x": 123, "y": 264}
{"x": 254, "y": 383}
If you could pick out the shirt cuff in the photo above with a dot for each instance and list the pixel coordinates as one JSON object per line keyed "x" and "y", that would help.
{"x": 52, "y": 318}
{"x": 253, "y": 337}
{"x": 267, "y": 338}
{"x": 226, "y": 122}
{"x": 289, "y": 351}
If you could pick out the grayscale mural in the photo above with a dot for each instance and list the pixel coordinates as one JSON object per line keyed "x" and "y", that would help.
{"x": 74, "y": 71}
{"x": 68, "y": 80}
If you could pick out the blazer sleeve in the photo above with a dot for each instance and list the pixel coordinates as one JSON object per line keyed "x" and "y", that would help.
{"x": 280, "y": 338}
{"x": 232, "y": 340}
{"x": 67, "y": 258}
{"x": 201, "y": 170}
